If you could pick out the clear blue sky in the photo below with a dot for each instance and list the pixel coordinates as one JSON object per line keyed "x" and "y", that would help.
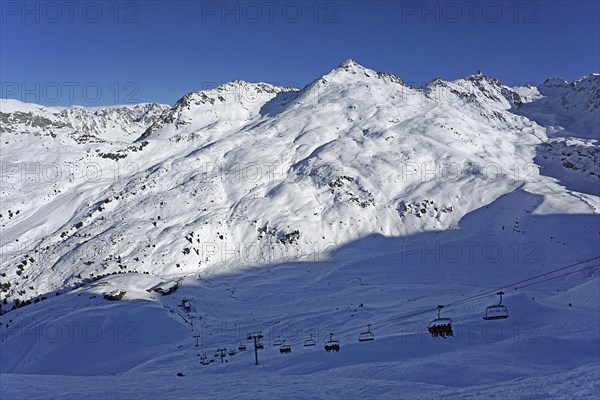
{"x": 58, "y": 54}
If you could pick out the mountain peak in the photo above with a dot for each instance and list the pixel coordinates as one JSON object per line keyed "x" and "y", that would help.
{"x": 560, "y": 82}
{"x": 480, "y": 76}
{"x": 351, "y": 66}
{"x": 236, "y": 91}
{"x": 592, "y": 79}
{"x": 348, "y": 63}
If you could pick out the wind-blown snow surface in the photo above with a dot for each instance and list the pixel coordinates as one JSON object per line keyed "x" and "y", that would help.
{"x": 354, "y": 200}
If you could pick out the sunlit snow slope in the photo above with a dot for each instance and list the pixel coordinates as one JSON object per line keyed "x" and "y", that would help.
{"x": 354, "y": 200}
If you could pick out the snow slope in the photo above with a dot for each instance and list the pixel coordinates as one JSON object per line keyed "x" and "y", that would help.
{"x": 566, "y": 109}
{"x": 354, "y": 200}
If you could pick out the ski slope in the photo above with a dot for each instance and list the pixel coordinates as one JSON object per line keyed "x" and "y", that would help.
{"x": 139, "y": 337}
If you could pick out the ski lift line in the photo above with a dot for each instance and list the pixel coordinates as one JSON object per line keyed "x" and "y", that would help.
{"x": 439, "y": 307}
{"x": 489, "y": 292}
{"x": 558, "y": 276}
{"x": 512, "y": 285}
{"x": 399, "y": 318}
{"x": 480, "y": 296}
{"x": 384, "y": 322}
{"x": 473, "y": 298}
{"x": 484, "y": 294}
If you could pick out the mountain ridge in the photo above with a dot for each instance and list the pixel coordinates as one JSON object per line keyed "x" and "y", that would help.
{"x": 293, "y": 171}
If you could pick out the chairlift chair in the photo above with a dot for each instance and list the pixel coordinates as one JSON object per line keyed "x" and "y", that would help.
{"x": 277, "y": 342}
{"x": 440, "y": 326}
{"x": 310, "y": 342}
{"x": 331, "y": 344}
{"x": 497, "y": 311}
{"x": 231, "y": 352}
{"x": 366, "y": 336}
{"x": 285, "y": 348}
{"x": 242, "y": 347}
{"x": 204, "y": 360}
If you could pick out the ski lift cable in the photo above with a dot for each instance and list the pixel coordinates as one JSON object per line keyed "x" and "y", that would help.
{"x": 473, "y": 298}
{"x": 476, "y": 297}
{"x": 485, "y": 294}
{"x": 470, "y": 299}
{"x": 491, "y": 292}
{"x": 384, "y": 322}
{"x": 558, "y": 276}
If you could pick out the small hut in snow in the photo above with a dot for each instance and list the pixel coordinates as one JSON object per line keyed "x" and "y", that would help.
{"x": 115, "y": 295}
{"x": 164, "y": 288}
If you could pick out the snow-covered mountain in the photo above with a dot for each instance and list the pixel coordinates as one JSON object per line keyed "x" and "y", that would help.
{"x": 188, "y": 189}
{"x": 83, "y": 125}
{"x": 566, "y": 109}
{"x": 357, "y": 188}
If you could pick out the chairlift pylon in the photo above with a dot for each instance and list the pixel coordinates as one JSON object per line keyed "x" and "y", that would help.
{"x": 497, "y": 311}
{"x": 440, "y": 326}
{"x": 366, "y": 336}
{"x": 258, "y": 343}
